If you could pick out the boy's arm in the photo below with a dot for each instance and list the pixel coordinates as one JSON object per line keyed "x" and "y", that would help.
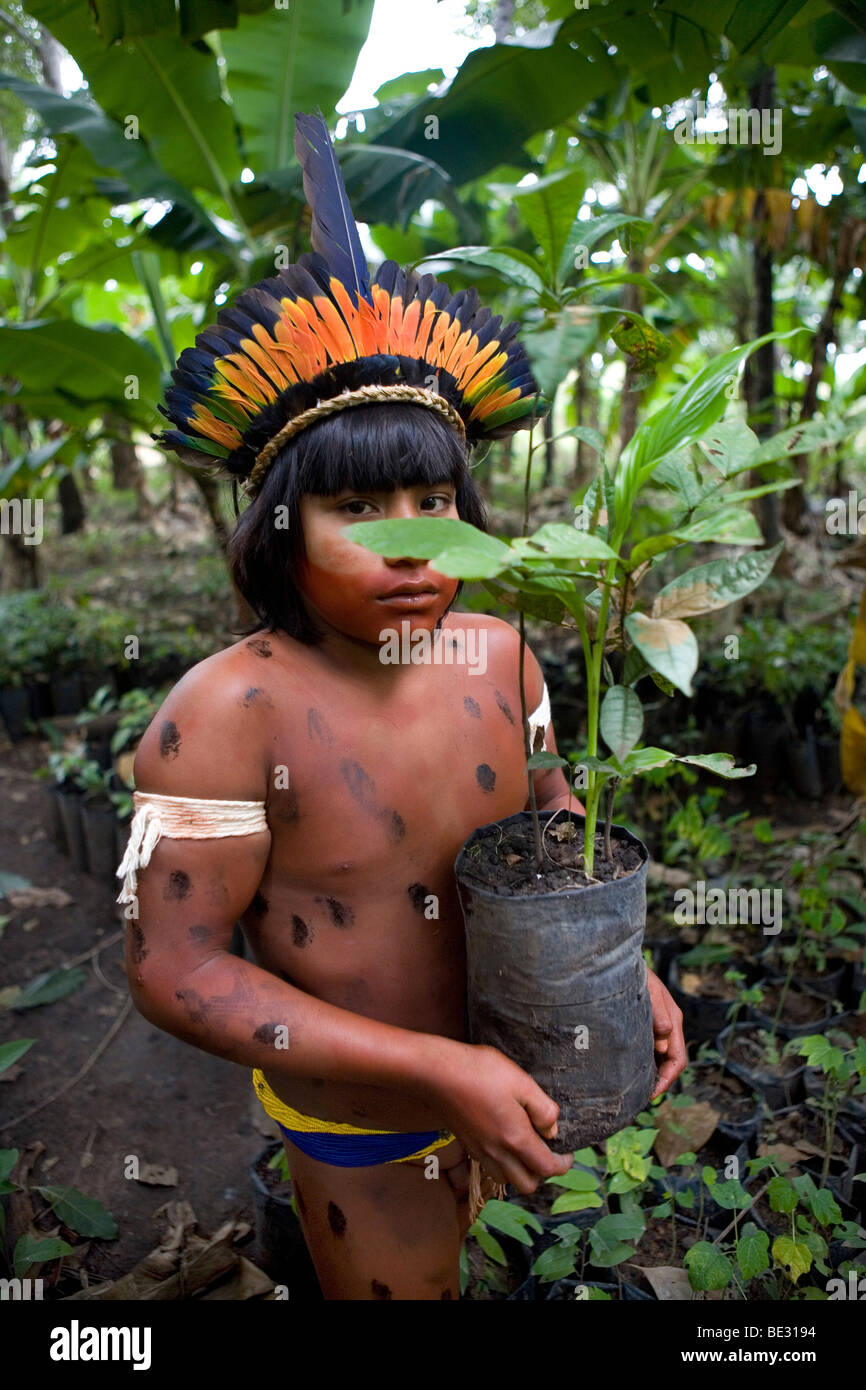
{"x": 205, "y": 742}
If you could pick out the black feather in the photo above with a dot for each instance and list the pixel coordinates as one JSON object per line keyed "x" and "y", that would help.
{"x": 334, "y": 234}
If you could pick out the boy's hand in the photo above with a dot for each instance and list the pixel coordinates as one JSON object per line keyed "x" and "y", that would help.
{"x": 668, "y": 1033}
{"x": 499, "y": 1114}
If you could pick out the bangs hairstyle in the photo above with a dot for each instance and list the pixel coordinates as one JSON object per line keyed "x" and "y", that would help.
{"x": 369, "y": 448}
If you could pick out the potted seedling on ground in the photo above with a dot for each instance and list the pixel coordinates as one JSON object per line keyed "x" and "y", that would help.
{"x": 555, "y": 914}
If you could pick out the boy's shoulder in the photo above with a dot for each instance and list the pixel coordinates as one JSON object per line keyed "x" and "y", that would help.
{"x": 503, "y": 653}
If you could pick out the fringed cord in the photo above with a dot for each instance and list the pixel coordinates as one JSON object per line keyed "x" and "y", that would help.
{"x": 181, "y": 818}
{"x": 481, "y": 1189}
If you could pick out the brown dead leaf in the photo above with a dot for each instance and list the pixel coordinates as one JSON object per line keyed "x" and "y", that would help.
{"x": 513, "y": 858}
{"x": 667, "y": 874}
{"x": 31, "y": 924}
{"x": 564, "y": 833}
{"x": 668, "y": 1282}
{"x": 11, "y": 1073}
{"x": 787, "y": 1152}
{"x": 39, "y": 897}
{"x": 682, "y": 1129}
{"x": 690, "y": 982}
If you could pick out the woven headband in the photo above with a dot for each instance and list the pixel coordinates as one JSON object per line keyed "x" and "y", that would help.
{"x": 320, "y": 336}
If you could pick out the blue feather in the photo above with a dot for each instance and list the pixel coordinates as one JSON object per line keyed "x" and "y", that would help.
{"x": 334, "y": 234}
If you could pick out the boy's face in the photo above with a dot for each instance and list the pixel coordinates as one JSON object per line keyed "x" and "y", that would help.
{"x": 349, "y": 585}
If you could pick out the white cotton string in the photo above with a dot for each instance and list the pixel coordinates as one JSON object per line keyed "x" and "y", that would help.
{"x": 540, "y": 718}
{"x": 181, "y": 818}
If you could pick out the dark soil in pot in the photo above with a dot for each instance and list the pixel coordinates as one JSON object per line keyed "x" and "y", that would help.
{"x": 705, "y": 997}
{"x": 804, "y": 1011}
{"x": 280, "y": 1245}
{"x": 555, "y": 975}
{"x": 743, "y": 1055}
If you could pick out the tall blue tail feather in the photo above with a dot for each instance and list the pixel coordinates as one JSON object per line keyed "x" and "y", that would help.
{"x": 334, "y": 234}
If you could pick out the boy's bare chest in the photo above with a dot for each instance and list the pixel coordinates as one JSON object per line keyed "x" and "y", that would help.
{"x": 359, "y": 782}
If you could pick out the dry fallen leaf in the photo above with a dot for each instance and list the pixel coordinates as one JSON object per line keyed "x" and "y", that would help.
{"x": 31, "y": 924}
{"x": 155, "y": 1176}
{"x": 668, "y": 1282}
{"x": 39, "y": 897}
{"x": 564, "y": 833}
{"x": 513, "y": 858}
{"x": 683, "y": 1129}
{"x": 787, "y": 1152}
{"x": 11, "y": 1073}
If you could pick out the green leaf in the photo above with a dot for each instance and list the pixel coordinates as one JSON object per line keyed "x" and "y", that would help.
{"x": 576, "y": 1201}
{"x": 454, "y": 547}
{"x": 560, "y": 542}
{"x": 793, "y": 1255}
{"x": 80, "y": 1213}
{"x": 8, "y": 1159}
{"x": 557, "y": 1262}
{"x": 729, "y": 445}
{"x": 576, "y": 1180}
{"x": 511, "y": 1220}
{"x": 731, "y": 1195}
{"x": 714, "y": 585}
{"x": 608, "y": 1253}
{"x": 708, "y": 1268}
{"x": 12, "y": 883}
{"x": 11, "y": 1051}
{"x": 512, "y": 264}
{"x": 723, "y": 526}
{"x": 752, "y": 1256}
{"x": 781, "y": 1195}
{"x": 489, "y": 1244}
{"x": 49, "y": 987}
{"x": 621, "y": 1226}
{"x": 30, "y": 1251}
{"x": 621, "y": 720}
{"x": 667, "y": 645}
{"x": 548, "y": 209}
{"x": 556, "y": 346}
{"x": 587, "y": 233}
{"x": 820, "y": 1052}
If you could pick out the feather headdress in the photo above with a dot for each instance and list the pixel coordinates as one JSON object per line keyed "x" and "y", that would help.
{"x": 320, "y": 336}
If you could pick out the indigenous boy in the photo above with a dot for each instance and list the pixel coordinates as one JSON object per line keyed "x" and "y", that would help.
{"x": 372, "y": 775}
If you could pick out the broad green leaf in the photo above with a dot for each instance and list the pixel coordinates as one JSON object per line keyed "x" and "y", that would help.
{"x": 621, "y": 720}
{"x": 725, "y": 526}
{"x": 729, "y": 444}
{"x": 516, "y": 266}
{"x": 820, "y": 1052}
{"x": 89, "y": 365}
{"x": 752, "y": 1253}
{"x": 80, "y": 1213}
{"x": 556, "y": 346}
{"x": 454, "y": 547}
{"x": 557, "y": 1262}
{"x": 650, "y": 548}
{"x": 667, "y": 645}
{"x": 731, "y": 1195}
{"x": 794, "y": 1256}
{"x": 560, "y": 542}
{"x": 586, "y": 233}
{"x": 278, "y": 63}
{"x": 577, "y": 1180}
{"x": 30, "y": 1251}
{"x": 722, "y": 764}
{"x": 714, "y": 585}
{"x": 622, "y": 1226}
{"x": 708, "y": 1268}
{"x": 11, "y": 1051}
{"x": 489, "y": 1244}
{"x": 548, "y": 208}
{"x": 781, "y": 1195}
{"x": 576, "y": 1201}
{"x": 607, "y": 1253}
{"x": 511, "y": 1220}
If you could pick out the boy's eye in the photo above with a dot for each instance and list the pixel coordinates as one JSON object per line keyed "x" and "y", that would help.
{"x": 443, "y": 498}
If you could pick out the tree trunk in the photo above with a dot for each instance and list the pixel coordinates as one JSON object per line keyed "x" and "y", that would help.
{"x": 126, "y": 470}
{"x": 210, "y": 492}
{"x": 548, "y": 449}
{"x": 72, "y": 513}
{"x": 761, "y": 377}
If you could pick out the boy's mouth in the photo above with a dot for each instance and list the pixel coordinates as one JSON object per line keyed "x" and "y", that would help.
{"x": 422, "y": 589}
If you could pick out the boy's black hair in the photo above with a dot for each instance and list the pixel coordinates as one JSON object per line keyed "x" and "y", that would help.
{"x": 369, "y": 448}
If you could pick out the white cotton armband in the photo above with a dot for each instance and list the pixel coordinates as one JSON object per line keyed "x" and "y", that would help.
{"x": 181, "y": 818}
{"x": 539, "y": 719}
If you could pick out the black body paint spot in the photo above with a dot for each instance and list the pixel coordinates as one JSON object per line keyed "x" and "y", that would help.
{"x": 485, "y": 777}
{"x": 446, "y": 1293}
{"x": 260, "y": 646}
{"x": 259, "y": 905}
{"x": 472, "y": 706}
{"x": 301, "y": 935}
{"x": 336, "y": 1219}
{"x": 169, "y": 739}
{"x": 418, "y": 893}
{"x": 317, "y": 727}
{"x": 177, "y": 885}
{"x": 200, "y": 932}
{"x": 256, "y": 693}
{"x": 139, "y": 947}
{"x": 340, "y": 913}
{"x": 362, "y": 788}
{"x": 503, "y": 705}
{"x": 194, "y": 1005}
{"x": 380, "y": 1290}
{"x": 287, "y": 806}
{"x": 267, "y": 1033}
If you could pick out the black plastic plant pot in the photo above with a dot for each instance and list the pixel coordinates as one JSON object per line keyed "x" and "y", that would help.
{"x": 52, "y": 818}
{"x": 804, "y": 770}
{"x": 15, "y": 709}
{"x": 73, "y": 825}
{"x": 831, "y": 984}
{"x": 703, "y": 1018}
{"x": 98, "y": 824}
{"x": 67, "y": 693}
{"x": 280, "y": 1246}
{"x": 778, "y": 1091}
{"x": 824, "y": 1013}
{"x": 566, "y": 1291}
{"x": 558, "y": 983}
